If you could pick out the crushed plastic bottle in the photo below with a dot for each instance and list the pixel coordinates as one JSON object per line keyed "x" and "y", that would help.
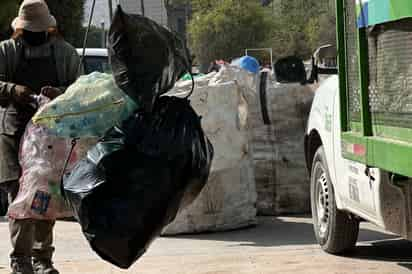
{"x": 89, "y": 107}
{"x": 42, "y": 158}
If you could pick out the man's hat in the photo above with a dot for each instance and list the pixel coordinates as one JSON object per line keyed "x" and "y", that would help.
{"x": 34, "y": 15}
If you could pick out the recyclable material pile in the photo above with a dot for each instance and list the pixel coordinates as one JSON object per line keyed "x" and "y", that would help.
{"x": 42, "y": 158}
{"x": 278, "y": 113}
{"x": 88, "y": 108}
{"x": 229, "y": 199}
{"x": 132, "y": 183}
{"x": 152, "y": 158}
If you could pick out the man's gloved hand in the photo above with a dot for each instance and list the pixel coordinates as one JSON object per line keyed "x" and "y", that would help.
{"x": 23, "y": 95}
{"x": 51, "y": 92}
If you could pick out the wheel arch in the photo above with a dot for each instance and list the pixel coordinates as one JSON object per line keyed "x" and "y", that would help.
{"x": 311, "y": 143}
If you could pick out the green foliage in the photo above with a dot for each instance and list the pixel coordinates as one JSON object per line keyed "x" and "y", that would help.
{"x": 322, "y": 29}
{"x": 7, "y": 12}
{"x": 68, "y": 13}
{"x": 69, "y": 16}
{"x": 94, "y": 39}
{"x": 204, "y": 5}
{"x": 170, "y": 4}
{"x": 300, "y": 26}
{"x": 223, "y": 29}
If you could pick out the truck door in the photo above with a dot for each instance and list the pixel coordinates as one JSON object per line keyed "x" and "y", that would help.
{"x": 355, "y": 185}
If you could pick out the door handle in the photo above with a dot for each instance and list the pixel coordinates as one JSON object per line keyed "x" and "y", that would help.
{"x": 368, "y": 173}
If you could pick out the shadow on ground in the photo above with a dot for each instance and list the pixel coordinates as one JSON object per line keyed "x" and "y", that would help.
{"x": 273, "y": 231}
{"x": 391, "y": 250}
{"x": 406, "y": 265}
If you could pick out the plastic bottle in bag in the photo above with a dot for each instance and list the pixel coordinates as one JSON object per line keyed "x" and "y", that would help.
{"x": 89, "y": 107}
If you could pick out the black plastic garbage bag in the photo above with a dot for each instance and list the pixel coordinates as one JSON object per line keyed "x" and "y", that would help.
{"x": 135, "y": 180}
{"x": 290, "y": 70}
{"x": 146, "y": 58}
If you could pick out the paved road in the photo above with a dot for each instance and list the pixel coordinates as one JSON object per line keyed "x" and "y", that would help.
{"x": 276, "y": 245}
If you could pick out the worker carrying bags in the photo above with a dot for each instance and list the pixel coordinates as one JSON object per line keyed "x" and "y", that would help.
{"x": 142, "y": 172}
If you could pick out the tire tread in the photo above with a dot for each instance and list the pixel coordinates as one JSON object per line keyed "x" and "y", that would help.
{"x": 343, "y": 229}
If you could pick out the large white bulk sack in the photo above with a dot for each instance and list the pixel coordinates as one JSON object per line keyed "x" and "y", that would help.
{"x": 282, "y": 180}
{"x": 229, "y": 199}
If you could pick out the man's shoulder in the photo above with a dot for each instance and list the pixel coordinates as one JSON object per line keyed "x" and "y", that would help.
{"x": 66, "y": 47}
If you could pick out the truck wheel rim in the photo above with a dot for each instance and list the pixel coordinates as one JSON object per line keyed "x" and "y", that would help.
{"x": 322, "y": 204}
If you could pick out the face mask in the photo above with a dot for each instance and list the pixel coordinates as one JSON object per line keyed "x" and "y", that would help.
{"x": 34, "y": 38}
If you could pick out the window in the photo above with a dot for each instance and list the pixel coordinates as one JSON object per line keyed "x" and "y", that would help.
{"x": 95, "y": 63}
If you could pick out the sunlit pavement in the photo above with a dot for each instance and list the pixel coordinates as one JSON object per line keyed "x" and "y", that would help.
{"x": 276, "y": 245}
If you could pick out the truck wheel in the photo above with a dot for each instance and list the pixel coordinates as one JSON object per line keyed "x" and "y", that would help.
{"x": 336, "y": 231}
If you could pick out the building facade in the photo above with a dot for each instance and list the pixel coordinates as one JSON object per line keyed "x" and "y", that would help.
{"x": 101, "y": 13}
{"x": 153, "y": 9}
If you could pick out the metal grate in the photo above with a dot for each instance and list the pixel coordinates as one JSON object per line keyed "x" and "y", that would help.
{"x": 352, "y": 61}
{"x": 373, "y": 92}
{"x": 390, "y": 71}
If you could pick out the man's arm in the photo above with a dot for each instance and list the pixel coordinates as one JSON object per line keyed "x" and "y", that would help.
{"x": 71, "y": 72}
{"x": 73, "y": 69}
{"x": 6, "y": 88}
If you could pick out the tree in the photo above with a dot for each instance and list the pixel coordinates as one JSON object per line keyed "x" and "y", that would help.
{"x": 322, "y": 29}
{"x": 223, "y": 29}
{"x": 68, "y": 13}
{"x": 7, "y": 12}
{"x": 302, "y": 26}
{"x": 171, "y": 4}
{"x": 69, "y": 16}
{"x": 94, "y": 38}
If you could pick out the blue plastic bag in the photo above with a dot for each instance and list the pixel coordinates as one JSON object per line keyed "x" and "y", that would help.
{"x": 247, "y": 63}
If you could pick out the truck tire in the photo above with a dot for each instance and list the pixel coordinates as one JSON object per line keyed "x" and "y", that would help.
{"x": 336, "y": 230}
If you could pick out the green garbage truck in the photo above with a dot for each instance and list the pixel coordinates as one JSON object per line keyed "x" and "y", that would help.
{"x": 358, "y": 142}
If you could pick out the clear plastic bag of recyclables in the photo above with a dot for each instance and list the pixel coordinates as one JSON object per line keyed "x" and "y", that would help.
{"x": 137, "y": 178}
{"x": 42, "y": 158}
{"x": 146, "y": 58}
{"x": 89, "y": 107}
